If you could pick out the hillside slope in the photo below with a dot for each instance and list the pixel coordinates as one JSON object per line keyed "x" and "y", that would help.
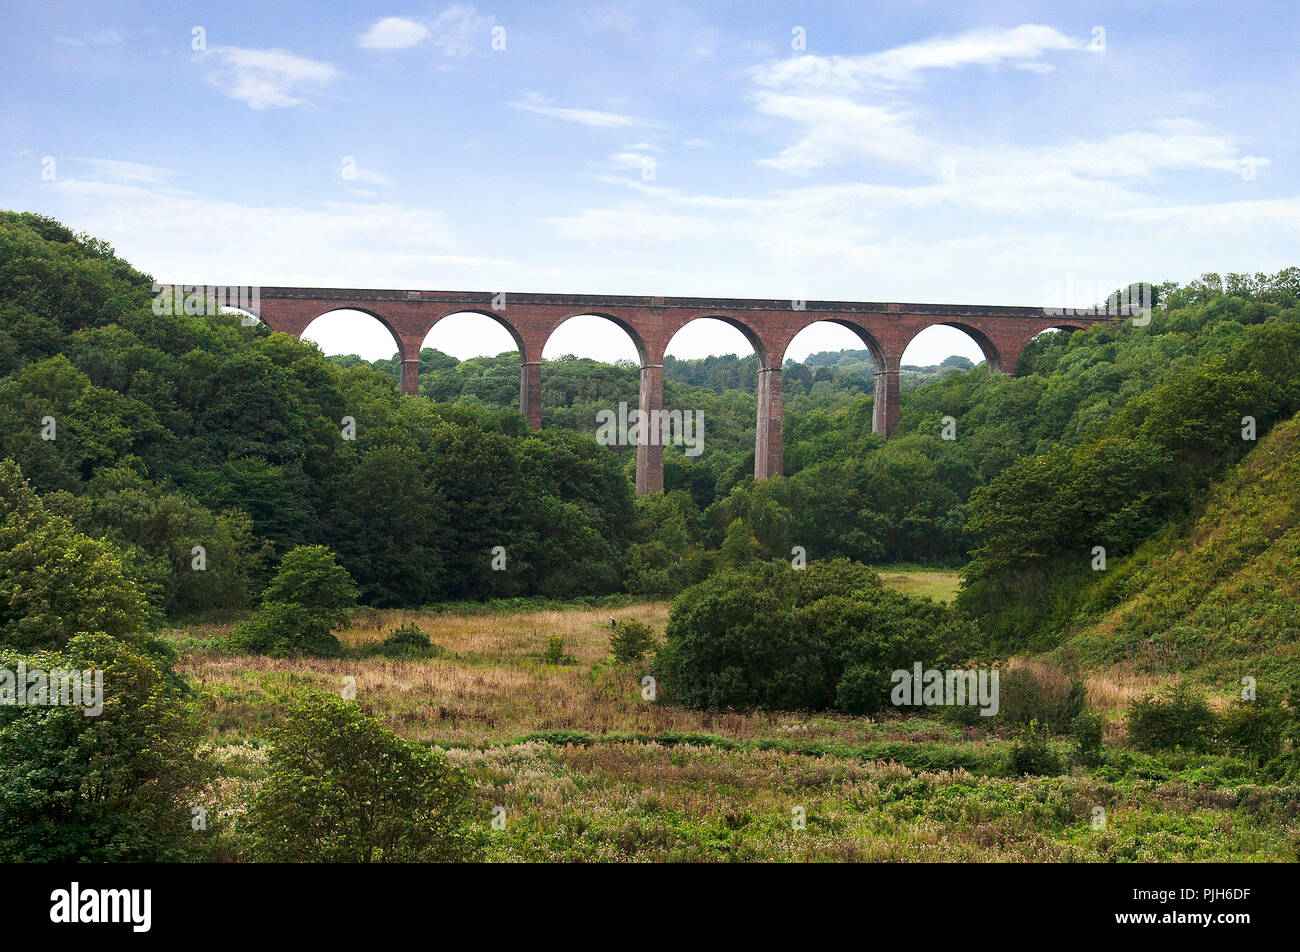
{"x": 1220, "y": 599}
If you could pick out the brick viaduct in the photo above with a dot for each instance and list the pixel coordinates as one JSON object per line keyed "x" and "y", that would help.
{"x": 651, "y": 322}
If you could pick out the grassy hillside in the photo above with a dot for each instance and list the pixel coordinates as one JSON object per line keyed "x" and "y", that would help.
{"x": 1219, "y": 599}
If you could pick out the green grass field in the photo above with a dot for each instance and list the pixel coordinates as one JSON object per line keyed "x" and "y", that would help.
{"x": 939, "y": 584}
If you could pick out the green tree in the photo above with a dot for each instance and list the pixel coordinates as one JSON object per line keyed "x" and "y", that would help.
{"x": 770, "y": 637}
{"x": 56, "y": 582}
{"x": 344, "y": 789}
{"x": 308, "y": 576}
{"x": 631, "y": 640}
{"x": 116, "y": 787}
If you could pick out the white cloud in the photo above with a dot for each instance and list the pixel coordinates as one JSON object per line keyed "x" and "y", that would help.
{"x": 363, "y": 173}
{"x": 393, "y": 33}
{"x": 460, "y": 29}
{"x": 335, "y": 242}
{"x": 847, "y": 107}
{"x": 837, "y": 128}
{"x": 457, "y": 31}
{"x": 270, "y": 78}
{"x": 629, "y": 160}
{"x": 1022, "y": 47}
{"x": 586, "y": 117}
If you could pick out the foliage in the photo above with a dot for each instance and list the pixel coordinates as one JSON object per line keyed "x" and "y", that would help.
{"x": 1256, "y": 727}
{"x": 309, "y": 596}
{"x": 56, "y": 582}
{"x": 309, "y": 577}
{"x": 343, "y": 788}
{"x": 631, "y": 640}
{"x": 1088, "y": 729}
{"x": 554, "y": 652}
{"x": 1032, "y": 754}
{"x": 283, "y": 630}
{"x": 1041, "y": 692}
{"x": 408, "y": 639}
{"x": 188, "y": 429}
{"x": 116, "y": 787}
{"x": 767, "y": 636}
{"x": 1174, "y": 716}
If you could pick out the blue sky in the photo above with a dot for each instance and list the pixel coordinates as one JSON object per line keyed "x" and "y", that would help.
{"x": 971, "y": 153}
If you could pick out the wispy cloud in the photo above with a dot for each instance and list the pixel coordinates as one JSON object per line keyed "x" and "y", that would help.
{"x": 1022, "y": 47}
{"x": 270, "y": 78}
{"x": 457, "y": 31}
{"x": 248, "y": 243}
{"x": 534, "y": 102}
{"x": 118, "y": 170}
{"x": 848, "y": 107}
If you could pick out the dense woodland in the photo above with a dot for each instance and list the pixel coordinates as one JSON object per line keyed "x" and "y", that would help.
{"x": 163, "y": 469}
{"x": 182, "y": 431}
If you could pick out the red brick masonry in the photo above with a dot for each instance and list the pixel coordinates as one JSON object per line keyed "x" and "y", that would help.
{"x": 770, "y": 326}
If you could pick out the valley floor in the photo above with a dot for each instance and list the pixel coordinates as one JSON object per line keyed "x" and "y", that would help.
{"x": 588, "y": 770}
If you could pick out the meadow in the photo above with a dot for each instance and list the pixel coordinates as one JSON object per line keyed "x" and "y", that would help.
{"x": 587, "y": 769}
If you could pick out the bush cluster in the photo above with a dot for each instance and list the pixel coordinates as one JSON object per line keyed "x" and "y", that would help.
{"x": 1179, "y": 716}
{"x": 827, "y": 637}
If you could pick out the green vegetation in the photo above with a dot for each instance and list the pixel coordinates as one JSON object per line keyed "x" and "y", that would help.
{"x": 829, "y": 636}
{"x": 342, "y": 789}
{"x": 118, "y": 786}
{"x": 183, "y": 508}
{"x": 309, "y": 596}
{"x": 631, "y": 640}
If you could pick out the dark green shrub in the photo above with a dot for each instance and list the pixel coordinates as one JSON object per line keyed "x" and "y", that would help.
{"x": 1255, "y": 728}
{"x": 631, "y": 640}
{"x": 56, "y": 582}
{"x": 406, "y": 640}
{"x": 858, "y": 690}
{"x": 1031, "y": 754}
{"x": 766, "y": 636}
{"x": 309, "y": 596}
{"x": 309, "y": 576}
{"x": 1176, "y": 716}
{"x": 342, "y": 788}
{"x": 282, "y": 630}
{"x": 1038, "y": 691}
{"x": 1088, "y": 728}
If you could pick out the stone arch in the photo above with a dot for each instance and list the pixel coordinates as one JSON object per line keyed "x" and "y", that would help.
{"x": 1065, "y": 326}
{"x": 760, "y": 345}
{"x": 399, "y": 347}
{"x": 509, "y": 328}
{"x": 859, "y": 330}
{"x": 988, "y": 347}
{"x": 512, "y": 333}
{"x": 630, "y": 329}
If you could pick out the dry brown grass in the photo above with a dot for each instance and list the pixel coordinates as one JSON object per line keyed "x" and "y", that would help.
{"x": 492, "y": 685}
{"x": 1114, "y": 689}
